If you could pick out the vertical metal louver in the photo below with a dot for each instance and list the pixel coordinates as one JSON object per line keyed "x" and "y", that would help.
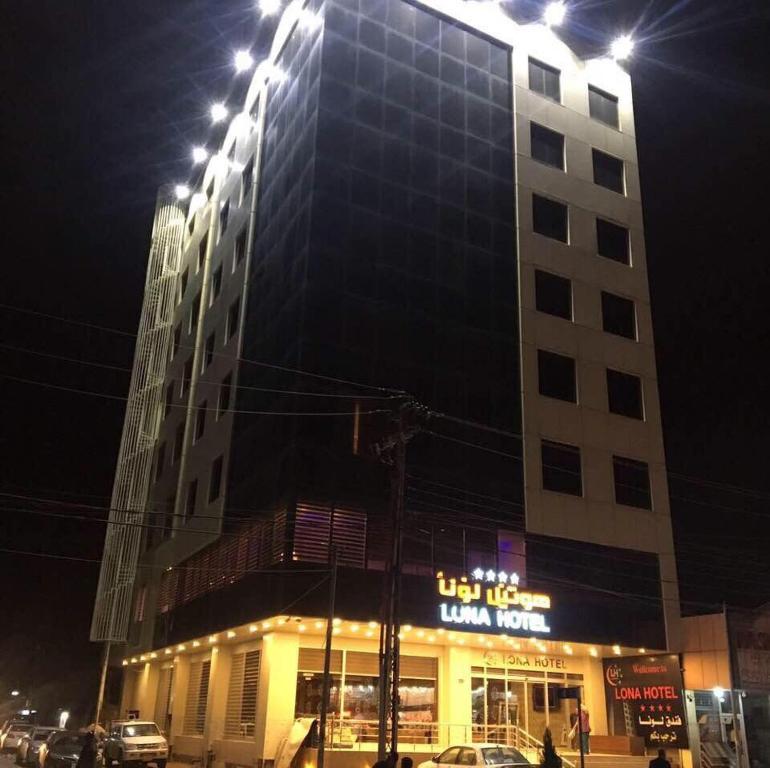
{"x": 163, "y": 700}
{"x": 197, "y": 698}
{"x": 144, "y": 410}
{"x": 318, "y": 527}
{"x": 241, "y": 712}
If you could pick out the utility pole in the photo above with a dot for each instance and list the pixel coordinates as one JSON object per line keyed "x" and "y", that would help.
{"x": 102, "y": 682}
{"x": 394, "y": 449}
{"x": 326, "y": 687}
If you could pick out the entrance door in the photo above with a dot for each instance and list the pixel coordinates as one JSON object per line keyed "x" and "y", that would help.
{"x": 518, "y": 719}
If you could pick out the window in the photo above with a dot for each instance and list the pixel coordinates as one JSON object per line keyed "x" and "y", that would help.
{"x": 624, "y": 394}
{"x": 538, "y": 697}
{"x": 632, "y": 482}
{"x": 232, "y": 320}
{"x": 177, "y": 341}
{"x": 208, "y": 352}
{"x": 553, "y": 294}
{"x": 189, "y": 503}
{"x": 182, "y": 285}
{"x": 224, "y": 217}
{"x": 231, "y": 153}
{"x": 139, "y": 603}
{"x": 202, "y": 248}
{"x": 618, "y": 315}
{"x": 178, "y": 442}
{"x": 608, "y": 171}
{"x": 197, "y": 697}
{"x": 215, "y": 480}
{"x": 168, "y": 399}
{"x": 556, "y": 376}
{"x": 467, "y": 756}
{"x": 240, "y": 249}
{"x": 223, "y": 399}
{"x": 186, "y": 378}
{"x": 241, "y": 710}
{"x": 561, "y": 468}
{"x": 200, "y": 421}
{"x": 216, "y": 285}
{"x": 612, "y": 241}
{"x": 210, "y": 190}
{"x": 449, "y": 756}
{"x": 544, "y": 79}
{"x": 168, "y": 518}
{"x": 550, "y": 218}
{"x": 246, "y": 179}
{"x": 195, "y": 308}
{"x": 547, "y": 146}
{"x": 603, "y": 106}
{"x": 160, "y": 461}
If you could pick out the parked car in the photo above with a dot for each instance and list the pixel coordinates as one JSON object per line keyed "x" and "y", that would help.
{"x": 29, "y": 746}
{"x": 61, "y": 750}
{"x": 135, "y": 741}
{"x": 477, "y": 754}
{"x": 13, "y": 734}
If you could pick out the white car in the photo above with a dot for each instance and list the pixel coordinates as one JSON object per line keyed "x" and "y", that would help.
{"x": 135, "y": 741}
{"x": 14, "y": 734}
{"x": 477, "y": 754}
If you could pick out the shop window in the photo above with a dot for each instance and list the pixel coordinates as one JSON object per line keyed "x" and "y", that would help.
{"x": 603, "y": 106}
{"x": 632, "y": 482}
{"x": 241, "y": 710}
{"x": 561, "y": 468}
{"x": 544, "y": 79}
{"x": 608, "y": 171}
{"x": 553, "y": 294}
{"x": 613, "y": 241}
{"x": 310, "y": 683}
{"x": 550, "y": 218}
{"x": 197, "y": 695}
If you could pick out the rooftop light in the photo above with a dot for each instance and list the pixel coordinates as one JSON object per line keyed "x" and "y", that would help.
{"x": 554, "y": 13}
{"x": 218, "y": 112}
{"x": 269, "y": 7}
{"x": 622, "y": 47}
{"x": 243, "y": 61}
{"x": 182, "y": 191}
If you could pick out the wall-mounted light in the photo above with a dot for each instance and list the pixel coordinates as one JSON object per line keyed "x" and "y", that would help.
{"x": 243, "y": 61}
{"x": 218, "y": 112}
{"x": 554, "y": 14}
{"x": 622, "y": 47}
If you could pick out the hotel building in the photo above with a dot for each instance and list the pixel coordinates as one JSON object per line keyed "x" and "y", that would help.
{"x": 428, "y": 198}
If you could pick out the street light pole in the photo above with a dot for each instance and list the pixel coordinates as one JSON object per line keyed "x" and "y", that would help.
{"x": 326, "y": 686}
{"x": 102, "y": 682}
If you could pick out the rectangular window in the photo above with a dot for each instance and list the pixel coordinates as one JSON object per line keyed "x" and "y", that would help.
{"x": 182, "y": 285}
{"x": 200, "y": 421}
{"x": 553, "y": 294}
{"x": 550, "y": 218}
{"x": 247, "y": 177}
{"x": 160, "y": 461}
{"x": 208, "y": 352}
{"x": 190, "y": 499}
{"x": 240, "y": 249}
{"x": 178, "y": 442}
{"x": 632, "y": 482}
{"x": 216, "y": 285}
{"x": 195, "y": 308}
{"x": 544, "y": 80}
{"x": 215, "y": 479}
{"x": 223, "y": 399}
{"x": 241, "y": 710}
{"x": 608, "y": 171}
{"x": 168, "y": 518}
{"x": 547, "y": 146}
{"x": 612, "y": 241}
{"x": 556, "y": 376}
{"x": 232, "y": 320}
{"x": 177, "y": 341}
{"x": 202, "y": 248}
{"x": 186, "y": 378}
{"x": 168, "y": 400}
{"x": 224, "y": 217}
{"x": 603, "y": 106}
{"x": 561, "y": 468}
{"x": 210, "y": 190}
{"x": 618, "y": 315}
{"x": 624, "y": 394}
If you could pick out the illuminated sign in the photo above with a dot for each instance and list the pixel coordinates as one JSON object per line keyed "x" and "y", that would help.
{"x": 492, "y": 600}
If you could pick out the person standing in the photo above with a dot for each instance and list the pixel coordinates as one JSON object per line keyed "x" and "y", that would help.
{"x": 585, "y": 728}
{"x": 660, "y": 761}
{"x": 87, "y": 757}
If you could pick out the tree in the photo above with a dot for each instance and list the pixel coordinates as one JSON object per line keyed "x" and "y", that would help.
{"x": 550, "y": 758}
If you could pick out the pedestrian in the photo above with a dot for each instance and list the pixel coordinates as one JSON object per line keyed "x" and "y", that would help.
{"x": 87, "y": 757}
{"x": 585, "y": 728}
{"x": 407, "y": 762}
{"x": 661, "y": 761}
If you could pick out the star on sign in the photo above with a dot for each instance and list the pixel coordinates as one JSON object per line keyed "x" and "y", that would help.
{"x": 514, "y": 579}
{"x": 491, "y": 575}
{"x": 478, "y": 574}
{"x": 502, "y": 577}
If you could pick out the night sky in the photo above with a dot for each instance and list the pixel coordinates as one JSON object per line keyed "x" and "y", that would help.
{"x": 101, "y": 103}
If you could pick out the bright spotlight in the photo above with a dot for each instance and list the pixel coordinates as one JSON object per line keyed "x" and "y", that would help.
{"x": 218, "y": 112}
{"x": 200, "y": 155}
{"x": 182, "y": 191}
{"x": 554, "y": 14}
{"x": 622, "y": 47}
{"x": 243, "y": 61}
{"x": 269, "y": 7}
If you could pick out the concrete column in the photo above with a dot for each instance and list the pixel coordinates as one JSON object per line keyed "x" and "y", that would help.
{"x": 128, "y": 695}
{"x": 147, "y": 690}
{"x": 179, "y": 699}
{"x": 593, "y": 687}
{"x": 277, "y": 692}
{"x": 219, "y": 683}
{"x": 455, "y": 704}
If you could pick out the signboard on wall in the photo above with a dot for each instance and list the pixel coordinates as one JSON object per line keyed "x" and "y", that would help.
{"x": 644, "y": 698}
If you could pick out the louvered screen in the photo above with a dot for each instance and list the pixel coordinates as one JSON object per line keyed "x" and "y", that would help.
{"x": 312, "y": 660}
{"x": 349, "y": 537}
{"x": 418, "y": 666}
{"x": 241, "y": 713}
{"x": 197, "y": 696}
{"x": 362, "y": 663}
{"x": 163, "y": 700}
{"x": 312, "y": 529}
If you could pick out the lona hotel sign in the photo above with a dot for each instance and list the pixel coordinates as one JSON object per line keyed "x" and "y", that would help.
{"x": 492, "y": 600}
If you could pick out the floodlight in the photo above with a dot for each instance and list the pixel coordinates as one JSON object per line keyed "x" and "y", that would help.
{"x": 269, "y": 7}
{"x": 622, "y": 47}
{"x": 200, "y": 155}
{"x": 243, "y": 61}
{"x": 554, "y": 13}
{"x": 182, "y": 191}
{"x": 218, "y": 112}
